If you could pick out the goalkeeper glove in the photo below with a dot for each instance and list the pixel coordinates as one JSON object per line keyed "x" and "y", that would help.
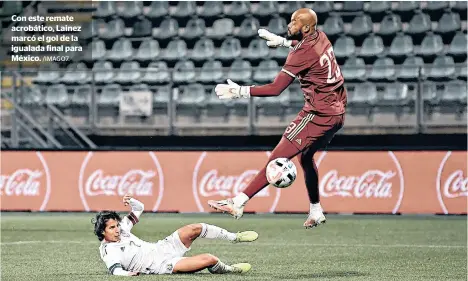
{"x": 274, "y": 40}
{"x": 232, "y": 90}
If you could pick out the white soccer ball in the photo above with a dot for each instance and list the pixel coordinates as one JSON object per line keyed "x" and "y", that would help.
{"x": 281, "y": 172}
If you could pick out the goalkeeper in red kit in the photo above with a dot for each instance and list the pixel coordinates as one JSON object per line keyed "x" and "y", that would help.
{"x": 311, "y": 60}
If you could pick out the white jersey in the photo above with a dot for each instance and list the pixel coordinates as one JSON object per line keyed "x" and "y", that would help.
{"x": 131, "y": 253}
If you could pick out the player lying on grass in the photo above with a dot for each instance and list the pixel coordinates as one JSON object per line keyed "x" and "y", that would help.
{"x": 125, "y": 254}
{"x": 311, "y": 60}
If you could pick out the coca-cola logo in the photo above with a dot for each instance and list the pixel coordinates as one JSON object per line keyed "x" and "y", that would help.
{"x": 25, "y": 178}
{"x": 452, "y": 183}
{"x": 106, "y": 177}
{"x": 221, "y": 175}
{"x": 378, "y": 179}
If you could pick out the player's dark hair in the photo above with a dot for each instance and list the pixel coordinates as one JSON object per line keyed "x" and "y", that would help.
{"x": 100, "y": 222}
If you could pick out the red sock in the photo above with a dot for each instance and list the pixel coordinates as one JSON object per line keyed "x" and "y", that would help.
{"x": 284, "y": 149}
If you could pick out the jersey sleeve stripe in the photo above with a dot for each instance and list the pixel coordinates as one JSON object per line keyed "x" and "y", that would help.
{"x": 288, "y": 72}
{"x": 113, "y": 267}
{"x": 133, "y": 218}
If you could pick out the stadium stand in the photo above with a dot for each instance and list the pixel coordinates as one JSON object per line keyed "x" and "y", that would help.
{"x": 391, "y": 53}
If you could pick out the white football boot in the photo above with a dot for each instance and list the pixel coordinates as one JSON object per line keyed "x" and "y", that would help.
{"x": 315, "y": 219}
{"x": 227, "y": 206}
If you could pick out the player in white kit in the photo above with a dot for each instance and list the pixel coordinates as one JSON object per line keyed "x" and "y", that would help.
{"x": 126, "y": 254}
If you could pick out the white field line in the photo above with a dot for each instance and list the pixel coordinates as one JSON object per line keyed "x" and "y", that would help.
{"x": 257, "y": 243}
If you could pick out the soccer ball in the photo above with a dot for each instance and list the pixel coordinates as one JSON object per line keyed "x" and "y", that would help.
{"x": 281, "y": 172}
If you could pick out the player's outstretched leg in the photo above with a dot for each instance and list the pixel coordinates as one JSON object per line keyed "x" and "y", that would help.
{"x": 210, "y": 262}
{"x": 235, "y": 206}
{"x": 191, "y": 232}
{"x": 316, "y": 216}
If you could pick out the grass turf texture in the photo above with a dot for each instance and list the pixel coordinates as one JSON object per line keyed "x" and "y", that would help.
{"x": 346, "y": 248}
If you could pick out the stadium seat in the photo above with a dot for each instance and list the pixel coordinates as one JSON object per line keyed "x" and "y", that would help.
{"x": 76, "y": 73}
{"x": 95, "y": 51}
{"x": 322, "y": 9}
{"x": 103, "y": 71}
{"x": 354, "y": 70}
{"x": 240, "y": 71}
{"x": 184, "y": 10}
{"x": 333, "y": 27}
{"x": 353, "y": 6}
{"x": 406, "y": 9}
{"x": 454, "y": 95}
{"x": 105, "y": 9}
{"x": 210, "y": 11}
{"x": 217, "y": 110}
{"x": 395, "y": 95}
{"x": 90, "y": 29}
{"x": 211, "y": 72}
{"x": 410, "y": 69}
{"x": 175, "y": 50}
{"x": 377, "y": 9}
{"x": 288, "y": 8}
{"x": 184, "y": 72}
{"x": 461, "y": 71}
{"x": 360, "y": 28}
{"x": 195, "y": 29}
{"x": 168, "y": 29}
{"x": 189, "y": 102}
{"x": 156, "y": 73}
{"x": 113, "y": 30}
{"x": 142, "y": 28}
{"x": 148, "y": 50}
{"x": 401, "y": 46}
{"x": 128, "y": 73}
{"x": 129, "y": 9}
{"x": 389, "y": 27}
{"x": 81, "y": 102}
{"x": 108, "y": 104}
{"x": 435, "y": 9}
{"x": 362, "y": 98}
{"x": 257, "y": 50}
{"x": 264, "y": 10}
{"x": 278, "y": 25}
{"x": 161, "y": 97}
{"x": 270, "y": 109}
{"x": 420, "y": 24}
{"x": 443, "y": 68}
{"x": 458, "y": 46}
{"x": 230, "y": 49}
{"x": 344, "y": 47}
{"x": 121, "y": 50}
{"x": 460, "y": 8}
{"x": 448, "y": 25}
{"x": 431, "y": 46}
{"x": 237, "y": 11}
{"x": 221, "y": 29}
{"x": 372, "y": 47}
{"x": 279, "y": 54}
{"x": 382, "y": 70}
{"x": 266, "y": 71}
{"x": 248, "y": 28}
{"x": 156, "y": 11}
{"x": 204, "y": 49}
{"x": 47, "y": 74}
{"x": 142, "y": 87}
{"x": 57, "y": 95}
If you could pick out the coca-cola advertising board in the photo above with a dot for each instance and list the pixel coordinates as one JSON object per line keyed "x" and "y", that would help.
{"x": 409, "y": 182}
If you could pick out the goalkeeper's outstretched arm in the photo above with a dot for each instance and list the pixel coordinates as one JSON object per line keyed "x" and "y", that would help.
{"x": 281, "y": 82}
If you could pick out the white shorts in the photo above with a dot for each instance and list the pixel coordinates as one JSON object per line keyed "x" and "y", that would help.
{"x": 168, "y": 252}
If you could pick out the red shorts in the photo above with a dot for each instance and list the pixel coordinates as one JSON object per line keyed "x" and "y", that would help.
{"x": 310, "y": 130}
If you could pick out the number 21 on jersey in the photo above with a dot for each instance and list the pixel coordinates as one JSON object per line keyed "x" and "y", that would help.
{"x": 328, "y": 58}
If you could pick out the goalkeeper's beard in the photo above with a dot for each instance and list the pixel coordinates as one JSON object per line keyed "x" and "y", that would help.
{"x": 298, "y": 36}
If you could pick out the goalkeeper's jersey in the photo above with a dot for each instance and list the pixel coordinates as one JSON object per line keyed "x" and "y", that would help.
{"x": 130, "y": 253}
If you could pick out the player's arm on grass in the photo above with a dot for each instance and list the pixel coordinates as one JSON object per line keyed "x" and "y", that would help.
{"x": 111, "y": 258}
{"x": 134, "y": 216}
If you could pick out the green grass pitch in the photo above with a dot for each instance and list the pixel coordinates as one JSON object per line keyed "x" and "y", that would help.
{"x": 352, "y": 248}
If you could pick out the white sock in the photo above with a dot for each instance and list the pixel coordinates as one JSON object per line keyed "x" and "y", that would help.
{"x": 213, "y": 232}
{"x": 240, "y": 199}
{"x": 220, "y": 268}
{"x": 315, "y": 207}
